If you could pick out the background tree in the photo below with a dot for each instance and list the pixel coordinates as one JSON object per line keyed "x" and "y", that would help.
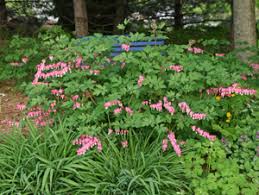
{"x": 244, "y": 25}
{"x": 81, "y": 20}
{"x": 3, "y": 13}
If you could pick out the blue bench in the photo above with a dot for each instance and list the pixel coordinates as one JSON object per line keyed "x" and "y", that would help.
{"x": 134, "y": 46}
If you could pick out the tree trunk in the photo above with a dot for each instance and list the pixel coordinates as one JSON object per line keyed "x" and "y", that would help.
{"x": 3, "y": 13}
{"x": 121, "y": 14}
{"x": 244, "y": 25}
{"x": 81, "y": 20}
{"x": 178, "y": 16}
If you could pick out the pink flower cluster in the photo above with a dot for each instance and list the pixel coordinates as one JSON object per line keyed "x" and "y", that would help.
{"x": 168, "y": 106}
{"x": 20, "y": 106}
{"x": 10, "y": 123}
{"x": 128, "y": 110}
{"x": 203, "y": 133}
{"x": 125, "y": 47}
{"x": 118, "y": 110}
{"x": 124, "y": 144}
{"x": 219, "y": 54}
{"x": 57, "y": 92}
{"x": 78, "y": 62}
{"x": 112, "y": 103}
{"x": 40, "y": 117}
{"x": 118, "y": 132}
{"x": 87, "y": 142}
{"x": 145, "y": 102}
{"x": 157, "y": 106}
{"x": 76, "y": 104}
{"x": 59, "y": 69}
{"x": 164, "y": 144}
{"x": 177, "y": 68}
{"x": 173, "y": 142}
{"x": 233, "y": 89}
{"x": 195, "y": 50}
{"x": 95, "y": 72}
{"x": 186, "y": 109}
{"x": 255, "y": 67}
{"x": 140, "y": 80}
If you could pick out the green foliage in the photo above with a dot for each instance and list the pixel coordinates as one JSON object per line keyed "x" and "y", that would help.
{"x": 34, "y": 48}
{"x": 200, "y": 72}
{"x": 214, "y": 170}
{"x": 46, "y": 163}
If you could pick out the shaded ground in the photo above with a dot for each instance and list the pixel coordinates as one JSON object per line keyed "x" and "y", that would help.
{"x": 9, "y": 98}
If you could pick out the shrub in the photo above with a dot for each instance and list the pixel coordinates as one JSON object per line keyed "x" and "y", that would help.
{"x": 168, "y": 75}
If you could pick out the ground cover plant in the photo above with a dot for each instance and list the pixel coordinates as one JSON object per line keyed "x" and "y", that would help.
{"x": 133, "y": 116}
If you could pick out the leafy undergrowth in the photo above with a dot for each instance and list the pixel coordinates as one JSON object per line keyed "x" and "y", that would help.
{"x": 140, "y": 110}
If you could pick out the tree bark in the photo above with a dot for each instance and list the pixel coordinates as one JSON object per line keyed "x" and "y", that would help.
{"x": 178, "y": 15}
{"x": 3, "y": 13}
{"x": 244, "y": 25}
{"x": 121, "y": 14}
{"x": 81, "y": 19}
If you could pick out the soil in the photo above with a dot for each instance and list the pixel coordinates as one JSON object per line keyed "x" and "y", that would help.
{"x": 9, "y": 98}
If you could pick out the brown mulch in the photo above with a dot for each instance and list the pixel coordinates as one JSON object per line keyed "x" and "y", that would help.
{"x": 9, "y": 98}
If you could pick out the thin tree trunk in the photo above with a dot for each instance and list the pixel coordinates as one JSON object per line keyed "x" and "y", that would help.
{"x": 178, "y": 16}
{"x": 244, "y": 25}
{"x": 232, "y": 24}
{"x": 121, "y": 14}
{"x": 81, "y": 20}
{"x": 3, "y": 13}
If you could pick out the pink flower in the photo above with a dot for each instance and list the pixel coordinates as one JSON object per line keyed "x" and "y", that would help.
{"x": 78, "y": 62}
{"x": 86, "y": 67}
{"x": 117, "y": 111}
{"x": 87, "y": 142}
{"x": 112, "y": 103}
{"x": 21, "y": 106}
{"x": 227, "y": 91}
{"x": 110, "y": 131}
{"x": 145, "y": 102}
{"x": 95, "y": 72}
{"x": 164, "y": 145}
{"x": 157, "y": 106}
{"x": 140, "y": 80}
{"x": 25, "y": 59}
{"x": 75, "y": 97}
{"x": 168, "y": 106}
{"x": 186, "y": 109}
{"x": 76, "y": 105}
{"x": 243, "y": 77}
{"x": 121, "y": 132}
{"x": 177, "y": 68}
{"x": 125, "y": 47}
{"x": 173, "y": 141}
{"x": 203, "y": 133}
{"x": 255, "y": 67}
{"x": 219, "y": 54}
{"x": 53, "y": 104}
{"x": 195, "y": 50}
{"x": 129, "y": 110}
{"x": 124, "y": 144}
